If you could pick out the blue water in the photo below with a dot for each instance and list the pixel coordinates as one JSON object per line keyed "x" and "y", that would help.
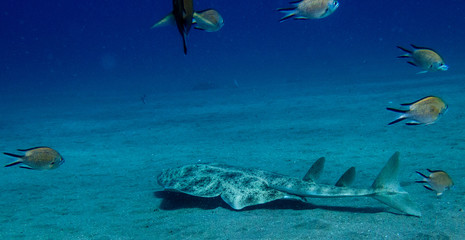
{"x": 108, "y": 45}
{"x": 282, "y": 94}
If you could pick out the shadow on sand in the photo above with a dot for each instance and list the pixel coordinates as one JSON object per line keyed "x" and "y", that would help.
{"x": 175, "y": 200}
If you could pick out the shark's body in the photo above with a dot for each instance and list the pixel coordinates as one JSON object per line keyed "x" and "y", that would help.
{"x": 241, "y": 187}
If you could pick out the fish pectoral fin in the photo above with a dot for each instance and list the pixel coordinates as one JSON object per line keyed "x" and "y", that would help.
{"x": 26, "y": 167}
{"x": 14, "y": 163}
{"x": 412, "y": 123}
{"x": 422, "y": 72}
{"x": 199, "y": 28}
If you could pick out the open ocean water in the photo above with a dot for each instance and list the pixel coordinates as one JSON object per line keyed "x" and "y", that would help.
{"x": 121, "y": 102}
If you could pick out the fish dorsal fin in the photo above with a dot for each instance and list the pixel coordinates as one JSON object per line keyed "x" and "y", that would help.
{"x": 408, "y": 104}
{"x": 347, "y": 178}
{"x": 315, "y": 170}
{"x": 433, "y": 171}
{"x": 417, "y": 47}
{"x": 28, "y": 149}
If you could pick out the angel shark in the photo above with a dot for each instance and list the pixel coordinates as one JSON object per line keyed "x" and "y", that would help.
{"x": 242, "y": 187}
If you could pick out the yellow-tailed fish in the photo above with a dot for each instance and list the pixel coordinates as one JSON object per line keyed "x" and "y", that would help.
{"x": 309, "y": 9}
{"x": 208, "y": 20}
{"x": 182, "y": 15}
{"x": 38, "y": 158}
{"x": 438, "y": 181}
{"x": 424, "y": 111}
{"x": 425, "y": 58}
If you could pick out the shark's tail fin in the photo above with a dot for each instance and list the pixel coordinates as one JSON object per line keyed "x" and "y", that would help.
{"x": 388, "y": 190}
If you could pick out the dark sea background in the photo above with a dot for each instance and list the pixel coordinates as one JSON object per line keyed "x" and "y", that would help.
{"x": 108, "y": 46}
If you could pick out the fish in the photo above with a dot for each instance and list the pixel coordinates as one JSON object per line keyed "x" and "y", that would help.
{"x": 427, "y": 110}
{"x": 182, "y": 15}
{"x": 208, "y": 20}
{"x": 309, "y": 9}
{"x": 38, "y": 158}
{"x": 438, "y": 181}
{"x": 425, "y": 58}
{"x": 242, "y": 187}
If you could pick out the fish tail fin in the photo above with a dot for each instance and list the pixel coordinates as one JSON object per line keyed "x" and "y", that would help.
{"x": 167, "y": 20}
{"x": 15, "y": 162}
{"x": 402, "y": 117}
{"x": 388, "y": 191}
{"x": 288, "y": 13}
{"x": 397, "y": 110}
{"x": 184, "y": 43}
{"x": 421, "y": 174}
{"x": 405, "y": 50}
{"x": 397, "y": 120}
{"x": 13, "y": 155}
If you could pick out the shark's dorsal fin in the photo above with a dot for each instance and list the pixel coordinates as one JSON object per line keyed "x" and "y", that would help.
{"x": 315, "y": 170}
{"x": 347, "y": 178}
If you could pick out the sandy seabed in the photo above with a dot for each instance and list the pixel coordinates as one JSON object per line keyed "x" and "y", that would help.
{"x": 115, "y": 146}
